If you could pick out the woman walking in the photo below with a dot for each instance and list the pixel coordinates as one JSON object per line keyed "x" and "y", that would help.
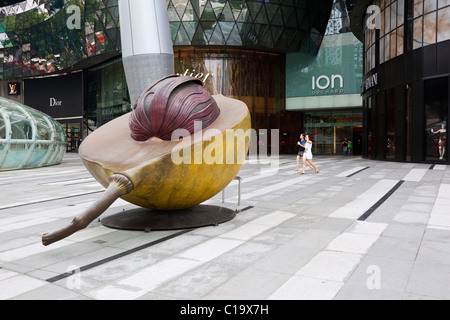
{"x": 308, "y": 156}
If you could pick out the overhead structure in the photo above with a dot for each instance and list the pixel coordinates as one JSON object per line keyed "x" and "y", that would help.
{"x": 147, "y": 48}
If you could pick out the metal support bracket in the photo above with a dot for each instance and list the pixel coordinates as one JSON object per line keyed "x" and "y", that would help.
{"x": 239, "y": 179}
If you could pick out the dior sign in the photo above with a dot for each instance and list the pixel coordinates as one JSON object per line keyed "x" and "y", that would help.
{"x": 55, "y": 102}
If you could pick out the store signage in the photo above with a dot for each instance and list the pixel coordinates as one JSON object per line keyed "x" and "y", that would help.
{"x": 198, "y": 75}
{"x": 336, "y": 70}
{"x": 324, "y": 84}
{"x": 114, "y": 111}
{"x": 369, "y": 83}
{"x": 58, "y": 96}
{"x": 55, "y": 102}
{"x": 13, "y": 88}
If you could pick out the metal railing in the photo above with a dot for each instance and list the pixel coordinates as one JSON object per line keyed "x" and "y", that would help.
{"x": 239, "y": 179}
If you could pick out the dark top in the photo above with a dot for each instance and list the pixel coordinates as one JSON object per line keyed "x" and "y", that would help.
{"x": 301, "y": 149}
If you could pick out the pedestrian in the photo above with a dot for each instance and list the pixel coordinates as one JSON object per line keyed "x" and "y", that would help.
{"x": 350, "y": 147}
{"x": 345, "y": 146}
{"x": 301, "y": 150}
{"x": 308, "y": 156}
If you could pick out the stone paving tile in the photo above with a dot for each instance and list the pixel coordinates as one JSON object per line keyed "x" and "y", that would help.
{"x": 396, "y": 248}
{"x": 430, "y": 279}
{"x": 200, "y": 281}
{"x": 297, "y": 237}
{"x": 50, "y": 292}
{"x": 250, "y": 284}
{"x": 408, "y": 232}
{"x": 439, "y": 235}
{"x": 378, "y": 275}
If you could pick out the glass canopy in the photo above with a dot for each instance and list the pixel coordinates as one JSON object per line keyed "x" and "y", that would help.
{"x": 28, "y": 138}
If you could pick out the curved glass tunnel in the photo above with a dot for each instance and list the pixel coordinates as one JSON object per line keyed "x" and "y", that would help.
{"x": 28, "y": 138}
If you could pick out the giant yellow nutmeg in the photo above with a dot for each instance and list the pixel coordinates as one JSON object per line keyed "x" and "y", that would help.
{"x": 148, "y": 145}
{"x": 179, "y": 147}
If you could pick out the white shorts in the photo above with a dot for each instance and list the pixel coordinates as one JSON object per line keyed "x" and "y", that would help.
{"x": 308, "y": 156}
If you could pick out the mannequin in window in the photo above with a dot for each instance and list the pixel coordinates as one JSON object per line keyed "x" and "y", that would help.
{"x": 442, "y": 140}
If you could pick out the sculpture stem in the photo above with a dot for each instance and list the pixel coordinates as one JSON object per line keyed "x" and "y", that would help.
{"x": 119, "y": 185}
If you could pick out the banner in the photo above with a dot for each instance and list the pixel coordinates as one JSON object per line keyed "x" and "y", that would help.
{"x": 337, "y": 69}
{"x": 58, "y": 96}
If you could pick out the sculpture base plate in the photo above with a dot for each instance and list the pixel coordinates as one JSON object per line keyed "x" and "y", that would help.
{"x": 142, "y": 219}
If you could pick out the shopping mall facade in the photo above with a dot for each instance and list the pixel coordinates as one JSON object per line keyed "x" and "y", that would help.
{"x": 296, "y": 63}
{"x": 406, "y": 78}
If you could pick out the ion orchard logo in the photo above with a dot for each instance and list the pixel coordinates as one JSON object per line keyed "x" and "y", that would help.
{"x": 322, "y": 84}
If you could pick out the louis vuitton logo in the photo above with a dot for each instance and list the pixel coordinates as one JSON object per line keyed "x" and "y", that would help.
{"x": 12, "y": 88}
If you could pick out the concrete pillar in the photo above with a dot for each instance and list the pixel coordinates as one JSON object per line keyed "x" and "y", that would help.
{"x": 147, "y": 48}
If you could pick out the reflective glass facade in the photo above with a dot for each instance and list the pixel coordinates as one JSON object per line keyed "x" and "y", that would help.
{"x": 275, "y": 25}
{"x": 428, "y": 23}
{"x": 28, "y": 138}
{"x": 39, "y": 37}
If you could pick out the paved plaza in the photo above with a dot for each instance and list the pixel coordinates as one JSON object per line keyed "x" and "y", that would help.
{"x": 359, "y": 229}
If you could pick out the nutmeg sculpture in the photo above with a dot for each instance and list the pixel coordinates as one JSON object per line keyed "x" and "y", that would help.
{"x": 172, "y": 152}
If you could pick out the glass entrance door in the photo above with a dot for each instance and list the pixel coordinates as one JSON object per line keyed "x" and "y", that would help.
{"x": 329, "y": 130}
{"x": 73, "y": 132}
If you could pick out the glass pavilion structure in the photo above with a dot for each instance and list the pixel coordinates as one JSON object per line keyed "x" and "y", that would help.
{"x": 28, "y": 138}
